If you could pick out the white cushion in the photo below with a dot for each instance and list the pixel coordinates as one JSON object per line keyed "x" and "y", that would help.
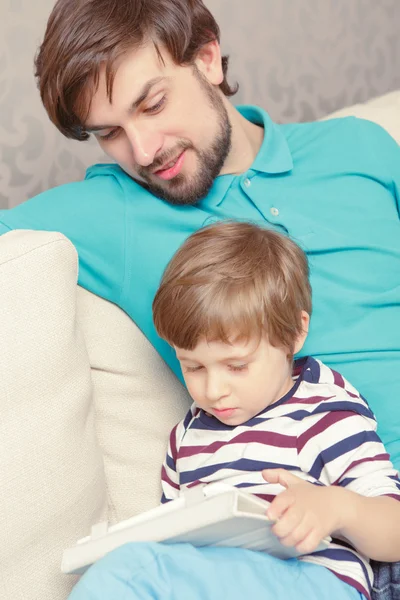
{"x": 138, "y": 401}
{"x": 384, "y": 110}
{"x": 52, "y": 485}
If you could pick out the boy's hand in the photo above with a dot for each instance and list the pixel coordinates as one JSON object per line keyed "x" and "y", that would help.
{"x": 305, "y": 513}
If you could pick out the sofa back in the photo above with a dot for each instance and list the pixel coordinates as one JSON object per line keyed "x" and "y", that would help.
{"x": 86, "y": 407}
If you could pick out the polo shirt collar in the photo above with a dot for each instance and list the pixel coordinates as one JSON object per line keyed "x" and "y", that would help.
{"x": 274, "y": 155}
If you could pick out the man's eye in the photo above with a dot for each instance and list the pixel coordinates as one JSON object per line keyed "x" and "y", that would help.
{"x": 238, "y": 367}
{"x": 156, "y": 107}
{"x": 108, "y": 136}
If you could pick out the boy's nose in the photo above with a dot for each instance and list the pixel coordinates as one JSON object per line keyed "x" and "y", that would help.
{"x": 216, "y": 388}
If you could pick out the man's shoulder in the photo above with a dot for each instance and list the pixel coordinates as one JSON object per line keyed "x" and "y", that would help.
{"x": 102, "y": 192}
{"x": 344, "y": 143}
{"x": 343, "y": 129}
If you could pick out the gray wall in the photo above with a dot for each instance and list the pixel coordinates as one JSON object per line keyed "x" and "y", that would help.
{"x": 300, "y": 60}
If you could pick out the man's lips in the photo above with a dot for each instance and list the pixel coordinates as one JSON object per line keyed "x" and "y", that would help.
{"x": 170, "y": 172}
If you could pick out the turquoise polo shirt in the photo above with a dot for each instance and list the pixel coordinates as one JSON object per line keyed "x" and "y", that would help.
{"x": 333, "y": 186}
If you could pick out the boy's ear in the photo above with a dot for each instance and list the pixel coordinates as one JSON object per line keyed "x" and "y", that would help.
{"x": 208, "y": 62}
{"x": 305, "y": 322}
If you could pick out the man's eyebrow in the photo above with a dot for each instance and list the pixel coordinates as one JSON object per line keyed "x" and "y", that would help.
{"x": 146, "y": 89}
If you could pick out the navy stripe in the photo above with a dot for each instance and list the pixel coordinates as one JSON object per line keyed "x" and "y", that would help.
{"x": 204, "y": 422}
{"x": 396, "y": 480}
{"x": 171, "y": 463}
{"x": 243, "y": 464}
{"x": 342, "y": 556}
{"x": 187, "y": 419}
{"x": 347, "y": 481}
{"x": 350, "y": 443}
{"x": 312, "y": 372}
{"x": 247, "y": 484}
{"x": 344, "y": 405}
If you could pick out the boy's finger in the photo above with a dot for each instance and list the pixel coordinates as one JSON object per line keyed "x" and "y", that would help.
{"x": 279, "y": 505}
{"x": 281, "y": 476}
{"x": 309, "y": 544}
{"x": 287, "y": 524}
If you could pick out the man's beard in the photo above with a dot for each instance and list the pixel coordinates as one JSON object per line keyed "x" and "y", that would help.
{"x": 185, "y": 189}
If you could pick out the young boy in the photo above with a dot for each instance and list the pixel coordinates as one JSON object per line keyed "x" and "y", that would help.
{"x": 235, "y": 303}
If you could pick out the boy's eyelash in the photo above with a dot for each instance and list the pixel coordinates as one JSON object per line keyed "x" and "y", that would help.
{"x": 230, "y": 367}
{"x": 238, "y": 367}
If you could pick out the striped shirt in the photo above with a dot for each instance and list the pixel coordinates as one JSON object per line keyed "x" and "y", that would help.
{"x": 322, "y": 430}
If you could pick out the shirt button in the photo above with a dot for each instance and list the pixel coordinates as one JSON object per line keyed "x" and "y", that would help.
{"x": 274, "y": 211}
{"x": 247, "y": 182}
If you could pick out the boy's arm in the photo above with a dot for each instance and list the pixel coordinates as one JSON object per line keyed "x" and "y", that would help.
{"x": 169, "y": 476}
{"x": 372, "y": 525}
{"x": 307, "y": 513}
{"x": 359, "y": 496}
{"x": 368, "y": 488}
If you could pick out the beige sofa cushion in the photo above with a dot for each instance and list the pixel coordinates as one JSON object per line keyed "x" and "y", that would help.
{"x": 384, "y": 110}
{"x": 137, "y": 399}
{"x": 52, "y": 485}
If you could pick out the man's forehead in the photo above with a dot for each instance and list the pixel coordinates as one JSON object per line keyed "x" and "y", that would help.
{"x": 135, "y": 73}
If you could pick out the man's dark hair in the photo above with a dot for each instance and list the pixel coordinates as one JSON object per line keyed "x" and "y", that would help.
{"x": 83, "y": 35}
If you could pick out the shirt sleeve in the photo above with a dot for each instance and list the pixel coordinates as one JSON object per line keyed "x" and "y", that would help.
{"x": 385, "y": 152}
{"x": 169, "y": 475}
{"x": 91, "y": 214}
{"x": 343, "y": 448}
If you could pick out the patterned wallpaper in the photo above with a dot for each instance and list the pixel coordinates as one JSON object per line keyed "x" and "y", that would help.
{"x": 300, "y": 60}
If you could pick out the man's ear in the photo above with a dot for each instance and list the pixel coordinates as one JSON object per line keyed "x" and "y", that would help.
{"x": 208, "y": 62}
{"x": 305, "y": 322}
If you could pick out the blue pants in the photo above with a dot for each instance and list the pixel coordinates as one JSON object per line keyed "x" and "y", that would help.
{"x": 386, "y": 581}
{"x": 151, "y": 571}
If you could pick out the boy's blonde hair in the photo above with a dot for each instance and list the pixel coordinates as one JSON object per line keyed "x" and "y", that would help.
{"x": 231, "y": 281}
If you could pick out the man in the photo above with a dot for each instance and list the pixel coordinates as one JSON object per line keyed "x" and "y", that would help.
{"x": 146, "y": 78}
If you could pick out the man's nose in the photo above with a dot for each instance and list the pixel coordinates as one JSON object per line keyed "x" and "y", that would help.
{"x": 145, "y": 144}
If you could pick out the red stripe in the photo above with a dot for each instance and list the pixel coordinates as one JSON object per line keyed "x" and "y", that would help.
{"x": 172, "y": 442}
{"x": 323, "y": 424}
{"x": 267, "y": 497}
{"x": 164, "y": 477}
{"x": 394, "y": 496}
{"x": 337, "y": 379}
{"x": 359, "y": 462}
{"x": 311, "y": 400}
{"x": 194, "y": 483}
{"x": 352, "y": 582}
{"x": 266, "y": 438}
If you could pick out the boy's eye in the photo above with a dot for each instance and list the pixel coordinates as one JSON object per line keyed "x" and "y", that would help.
{"x": 238, "y": 367}
{"x": 193, "y": 369}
